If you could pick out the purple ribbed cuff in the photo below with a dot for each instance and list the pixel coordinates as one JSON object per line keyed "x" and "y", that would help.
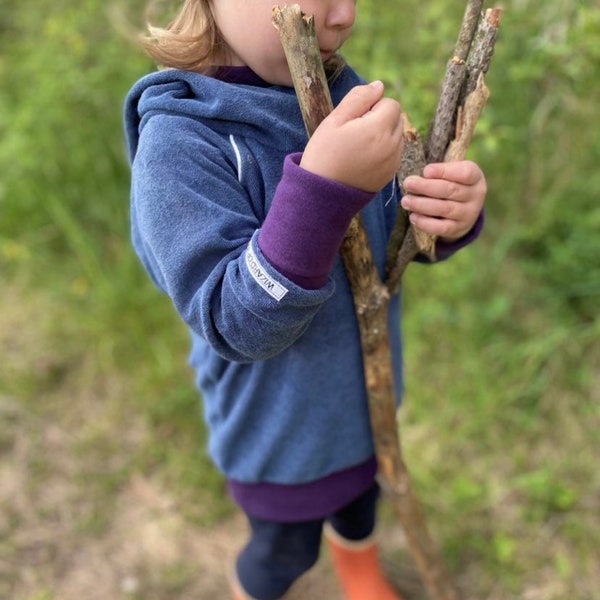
{"x": 306, "y": 224}
{"x": 307, "y": 501}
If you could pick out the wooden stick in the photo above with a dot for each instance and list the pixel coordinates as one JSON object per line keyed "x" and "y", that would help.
{"x": 299, "y": 41}
{"x": 403, "y": 247}
{"x": 468, "y": 29}
{"x": 304, "y": 60}
{"x": 444, "y": 121}
{"x": 371, "y": 300}
{"x": 472, "y": 55}
{"x": 442, "y": 125}
{"x": 469, "y": 115}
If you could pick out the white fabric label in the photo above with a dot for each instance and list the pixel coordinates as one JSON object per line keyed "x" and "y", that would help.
{"x": 272, "y": 287}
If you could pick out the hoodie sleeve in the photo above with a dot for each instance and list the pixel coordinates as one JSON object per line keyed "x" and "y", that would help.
{"x": 196, "y": 232}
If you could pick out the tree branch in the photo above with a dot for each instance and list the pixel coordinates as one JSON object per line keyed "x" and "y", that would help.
{"x": 402, "y": 246}
{"x": 442, "y": 126}
{"x": 472, "y": 55}
{"x": 482, "y": 50}
{"x": 459, "y": 109}
{"x": 297, "y": 32}
{"x": 468, "y": 29}
{"x": 443, "y": 123}
{"x": 467, "y": 121}
{"x": 299, "y": 41}
{"x": 371, "y": 301}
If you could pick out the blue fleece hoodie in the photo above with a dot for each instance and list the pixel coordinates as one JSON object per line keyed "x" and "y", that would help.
{"x": 279, "y": 366}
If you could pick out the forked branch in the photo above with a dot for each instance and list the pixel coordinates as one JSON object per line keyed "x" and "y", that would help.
{"x": 461, "y": 102}
{"x": 459, "y": 108}
{"x": 371, "y": 301}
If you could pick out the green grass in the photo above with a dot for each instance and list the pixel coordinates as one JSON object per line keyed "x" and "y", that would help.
{"x": 499, "y": 426}
{"x": 501, "y": 419}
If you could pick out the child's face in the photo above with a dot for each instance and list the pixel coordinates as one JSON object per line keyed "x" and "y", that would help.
{"x": 254, "y": 42}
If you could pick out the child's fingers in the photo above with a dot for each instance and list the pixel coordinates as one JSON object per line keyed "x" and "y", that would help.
{"x": 433, "y": 226}
{"x": 437, "y": 188}
{"x": 358, "y": 101}
{"x": 464, "y": 171}
{"x": 434, "y": 208}
{"x": 449, "y": 222}
{"x": 387, "y": 112}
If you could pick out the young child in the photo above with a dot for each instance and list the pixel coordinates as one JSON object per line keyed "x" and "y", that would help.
{"x": 239, "y": 219}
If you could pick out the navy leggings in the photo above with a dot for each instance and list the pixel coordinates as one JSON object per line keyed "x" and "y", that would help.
{"x": 278, "y": 553}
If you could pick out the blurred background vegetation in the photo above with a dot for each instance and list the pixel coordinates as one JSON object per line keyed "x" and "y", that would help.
{"x": 501, "y": 420}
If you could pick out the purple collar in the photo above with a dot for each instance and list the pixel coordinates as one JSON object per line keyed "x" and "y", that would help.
{"x": 239, "y": 75}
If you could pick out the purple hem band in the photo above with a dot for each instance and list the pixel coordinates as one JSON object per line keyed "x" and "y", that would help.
{"x": 307, "y": 501}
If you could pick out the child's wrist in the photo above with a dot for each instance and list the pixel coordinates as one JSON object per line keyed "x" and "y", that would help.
{"x": 306, "y": 224}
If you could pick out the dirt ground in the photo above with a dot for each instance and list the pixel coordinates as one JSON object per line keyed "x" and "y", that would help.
{"x": 143, "y": 549}
{"x": 79, "y": 518}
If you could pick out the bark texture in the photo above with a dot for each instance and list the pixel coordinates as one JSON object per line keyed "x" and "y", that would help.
{"x": 453, "y": 124}
{"x": 453, "y": 128}
{"x": 297, "y": 33}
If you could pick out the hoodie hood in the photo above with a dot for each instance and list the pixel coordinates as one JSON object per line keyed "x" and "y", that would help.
{"x": 224, "y": 107}
{"x": 251, "y": 111}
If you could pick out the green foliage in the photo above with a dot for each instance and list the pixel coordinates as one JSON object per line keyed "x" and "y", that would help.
{"x": 64, "y": 237}
{"x": 406, "y": 45}
{"x": 552, "y": 117}
{"x": 537, "y": 141}
{"x": 61, "y": 157}
{"x": 500, "y": 422}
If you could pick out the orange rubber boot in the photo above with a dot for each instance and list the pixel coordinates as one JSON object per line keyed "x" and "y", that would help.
{"x": 357, "y": 567}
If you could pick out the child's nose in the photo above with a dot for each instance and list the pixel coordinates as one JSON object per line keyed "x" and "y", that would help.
{"x": 341, "y": 14}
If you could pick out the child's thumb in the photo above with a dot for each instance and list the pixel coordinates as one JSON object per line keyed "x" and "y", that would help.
{"x": 359, "y": 100}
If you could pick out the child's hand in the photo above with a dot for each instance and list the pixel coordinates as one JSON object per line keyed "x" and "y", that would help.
{"x": 447, "y": 200}
{"x": 360, "y": 143}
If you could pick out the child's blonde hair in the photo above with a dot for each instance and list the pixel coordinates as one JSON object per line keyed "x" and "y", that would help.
{"x": 192, "y": 41}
